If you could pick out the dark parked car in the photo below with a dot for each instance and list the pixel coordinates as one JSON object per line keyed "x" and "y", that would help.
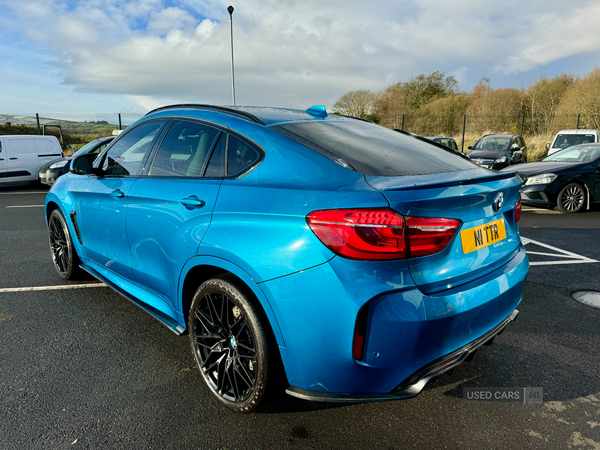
{"x": 50, "y": 171}
{"x": 497, "y": 151}
{"x": 444, "y": 140}
{"x": 568, "y": 179}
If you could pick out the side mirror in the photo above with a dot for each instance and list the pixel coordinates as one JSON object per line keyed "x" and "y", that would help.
{"x": 82, "y": 165}
{"x": 469, "y": 147}
{"x": 548, "y": 146}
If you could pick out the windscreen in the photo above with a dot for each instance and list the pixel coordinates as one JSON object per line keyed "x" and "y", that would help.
{"x": 586, "y": 153}
{"x": 567, "y": 140}
{"x": 492, "y": 143}
{"x": 372, "y": 149}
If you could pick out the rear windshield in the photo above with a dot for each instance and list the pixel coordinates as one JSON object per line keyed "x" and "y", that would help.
{"x": 372, "y": 149}
{"x": 566, "y": 140}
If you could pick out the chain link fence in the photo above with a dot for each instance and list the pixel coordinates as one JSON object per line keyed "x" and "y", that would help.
{"x": 467, "y": 129}
{"x": 72, "y": 129}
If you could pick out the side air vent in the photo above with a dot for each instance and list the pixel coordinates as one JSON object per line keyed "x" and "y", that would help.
{"x": 74, "y": 221}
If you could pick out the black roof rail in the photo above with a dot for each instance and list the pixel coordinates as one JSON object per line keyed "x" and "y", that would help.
{"x": 239, "y": 112}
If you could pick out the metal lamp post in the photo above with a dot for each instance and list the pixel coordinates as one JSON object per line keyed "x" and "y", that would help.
{"x": 230, "y": 9}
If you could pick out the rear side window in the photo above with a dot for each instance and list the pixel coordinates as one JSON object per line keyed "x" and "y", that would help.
{"x": 241, "y": 157}
{"x": 184, "y": 151}
{"x": 372, "y": 149}
{"x": 216, "y": 165}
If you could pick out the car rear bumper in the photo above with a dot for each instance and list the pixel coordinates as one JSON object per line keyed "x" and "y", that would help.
{"x": 415, "y": 383}
{"x": 407, "y": 330}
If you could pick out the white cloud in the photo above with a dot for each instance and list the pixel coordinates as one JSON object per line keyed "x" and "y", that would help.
{"x": 559, "y": 34}
{"x": 169, "y": 19}
{"x": 295, "y": 53}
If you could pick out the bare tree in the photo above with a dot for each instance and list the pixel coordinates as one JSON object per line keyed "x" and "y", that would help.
{"x": 356, "y": 104}
{"x": 583, "y": 97}
{"x": 389, "y": 106}
{"x": 543, "y": 98}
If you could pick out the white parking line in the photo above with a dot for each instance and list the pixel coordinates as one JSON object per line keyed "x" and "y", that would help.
{"x": 53, "y": 288}
{"x": 25, "y": 206}
{"x": 570, "y": 257}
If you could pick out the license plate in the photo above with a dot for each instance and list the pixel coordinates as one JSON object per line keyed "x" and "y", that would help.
{"x": 482, "y": 236}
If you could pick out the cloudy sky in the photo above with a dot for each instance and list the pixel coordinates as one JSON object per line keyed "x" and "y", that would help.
{"x": 130, "y": 56}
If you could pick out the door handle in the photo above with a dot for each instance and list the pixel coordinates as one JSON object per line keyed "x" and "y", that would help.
{"x": 118, "y": 193}
{"x": 192, "y": 202}
{"x": 13, "y": 158}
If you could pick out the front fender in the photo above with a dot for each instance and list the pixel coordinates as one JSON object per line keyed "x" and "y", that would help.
{"x": 221, "y": 263}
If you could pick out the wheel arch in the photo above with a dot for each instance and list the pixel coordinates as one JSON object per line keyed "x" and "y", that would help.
{"x": 51, "y": 206}
{"x": 575, "y": 179}
{"x": 201, "y": 268}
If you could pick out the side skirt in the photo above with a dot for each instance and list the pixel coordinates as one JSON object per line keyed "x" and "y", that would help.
{"x": 158, "y": 315}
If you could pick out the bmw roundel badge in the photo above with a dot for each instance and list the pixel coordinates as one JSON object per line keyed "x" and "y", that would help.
{"x": 498, "y": 201}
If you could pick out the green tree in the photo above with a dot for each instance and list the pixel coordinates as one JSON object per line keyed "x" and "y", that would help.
{"x": 423, "y": 89}
{"x": 356, "y": 104}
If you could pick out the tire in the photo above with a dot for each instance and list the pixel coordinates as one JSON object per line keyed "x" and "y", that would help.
{"x": 571, "y": 198}
{"x": 64, "y": 256}
{"x": 231, "y": 344}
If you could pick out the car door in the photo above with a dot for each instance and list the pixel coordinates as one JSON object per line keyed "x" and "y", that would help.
{"x": 21, "y": 159}
{"x": 170, "y": 205}
{"x": 101, "y": 200}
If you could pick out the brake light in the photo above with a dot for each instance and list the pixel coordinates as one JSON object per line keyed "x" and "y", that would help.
{"x": 518, "y": 210}
{"x": 429, "y": 235}
{"x": 371, "y": 234}
{"x": 380, "y": 234}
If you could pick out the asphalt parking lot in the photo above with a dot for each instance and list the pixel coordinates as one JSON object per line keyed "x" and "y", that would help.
{"x": 81, "y": 367}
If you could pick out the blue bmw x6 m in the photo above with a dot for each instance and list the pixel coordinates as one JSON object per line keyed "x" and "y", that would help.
{"x": 321, "y": 254}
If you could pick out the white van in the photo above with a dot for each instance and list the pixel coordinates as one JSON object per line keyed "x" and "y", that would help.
{"x": 22, "y": 156}
{"x": 567, "y": 138}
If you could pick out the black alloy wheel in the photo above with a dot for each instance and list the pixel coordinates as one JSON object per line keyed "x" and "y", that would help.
{"x": 229, "y": 343}
{"x": 571, "y": 198}
{"x": 63, "y": 253}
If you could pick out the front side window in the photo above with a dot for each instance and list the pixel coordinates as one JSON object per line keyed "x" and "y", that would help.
{"x": 127, "y": 155}
{"x": 184, "y": 151}
{"x": 372, "y": 149}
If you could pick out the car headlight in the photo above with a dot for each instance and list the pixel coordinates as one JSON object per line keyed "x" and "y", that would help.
{"x": 59, "y": 164}
{"x": 500, "y": 159}
{"x": 541, "y": 179}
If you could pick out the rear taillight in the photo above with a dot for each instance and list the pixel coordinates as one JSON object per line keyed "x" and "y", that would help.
{"x": 368, "y": 234}
{"x": 429, "y": 235}
{"x": 380, "y": 234}
{"x": 518, "y": 211}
